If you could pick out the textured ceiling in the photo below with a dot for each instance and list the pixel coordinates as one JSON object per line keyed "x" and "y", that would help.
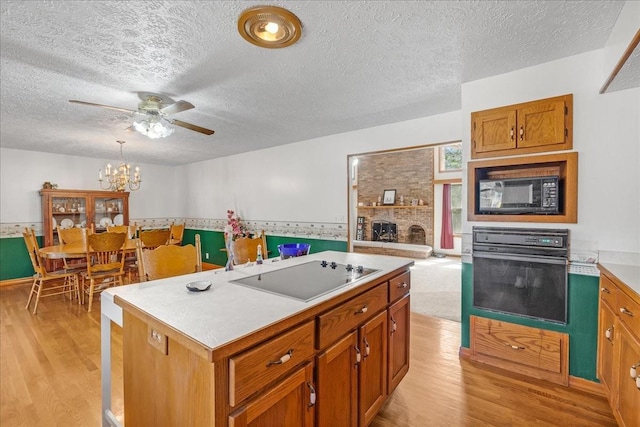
{"x": 358, "y": 64}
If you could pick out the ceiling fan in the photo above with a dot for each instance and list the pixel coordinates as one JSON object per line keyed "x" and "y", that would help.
{"x": 153, "y": 110}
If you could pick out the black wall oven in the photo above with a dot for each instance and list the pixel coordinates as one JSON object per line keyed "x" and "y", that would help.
{"x": 521, "y": 271}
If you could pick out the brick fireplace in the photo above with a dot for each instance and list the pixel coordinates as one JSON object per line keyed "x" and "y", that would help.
{"x": 410, "y": 173}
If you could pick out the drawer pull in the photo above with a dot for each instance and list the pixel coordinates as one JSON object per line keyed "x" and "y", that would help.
{"x": 394, "y": 325}
{"x": 402, "y": 285}
{"x": 605, "y": 290}
{"x": 358, "y": 355}
{"x": 515, "y": 347}
{"x": 609, "y": 333}
{"x": 312, "y": 395}
{"x": 283, "y": 359}
{"x": 623, "y": 310}
{"x": 367, "y": 349}
{"x": 362, "y": 310}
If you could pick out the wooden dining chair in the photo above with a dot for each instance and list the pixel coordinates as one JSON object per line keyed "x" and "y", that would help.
{"x": 47, "y": 283}
{"x": 151, "y": 239}
{"x": 176, "y": 233}
{"x": 105, "y": 262}
{"x": 72, "y": 235}
{"x": 168, "y": 260}
{"x": 245, "y": 249}
{"x": 131, "y": 260}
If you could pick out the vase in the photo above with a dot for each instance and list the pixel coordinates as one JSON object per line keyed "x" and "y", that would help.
{"x": 229, "y": 245}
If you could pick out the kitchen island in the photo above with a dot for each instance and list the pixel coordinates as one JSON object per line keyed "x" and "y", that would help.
{"x": 237, "y": 355}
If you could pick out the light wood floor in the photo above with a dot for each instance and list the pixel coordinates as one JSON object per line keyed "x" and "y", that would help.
{"x": 50, "y": 376}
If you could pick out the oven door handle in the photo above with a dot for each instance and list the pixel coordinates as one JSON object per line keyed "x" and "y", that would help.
{"x": 513, "y": 257}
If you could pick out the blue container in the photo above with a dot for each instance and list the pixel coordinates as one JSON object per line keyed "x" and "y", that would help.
{"x": 290, "y": 250}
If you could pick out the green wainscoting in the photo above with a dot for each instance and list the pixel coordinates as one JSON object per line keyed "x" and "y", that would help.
{"x": 582, "y": 324}
{"x": 14, "y": 259}
{"x": 15, "y": 263}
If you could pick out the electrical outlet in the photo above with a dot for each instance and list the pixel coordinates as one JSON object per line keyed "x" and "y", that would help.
{"x": 206, "y": 255}
{"x": 340, "y": 218}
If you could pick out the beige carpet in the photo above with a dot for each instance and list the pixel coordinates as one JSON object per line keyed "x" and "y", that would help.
{"x": 436, "y": 287}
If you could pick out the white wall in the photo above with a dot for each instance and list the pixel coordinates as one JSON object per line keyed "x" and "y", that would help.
{"x": 304, "y": 181}
{"x": 22, "y": 174}
{"x": 606, "y": 136}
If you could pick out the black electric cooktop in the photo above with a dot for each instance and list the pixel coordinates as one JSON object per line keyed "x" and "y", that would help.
{"x": 306, "y": 281}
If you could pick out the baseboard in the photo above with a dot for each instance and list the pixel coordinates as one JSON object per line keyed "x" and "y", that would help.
{"x": 18, "y": 281}
{"x": 588, "y": 386}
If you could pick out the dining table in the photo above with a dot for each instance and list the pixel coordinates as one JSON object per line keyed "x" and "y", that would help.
{"x": 78, "y": 249}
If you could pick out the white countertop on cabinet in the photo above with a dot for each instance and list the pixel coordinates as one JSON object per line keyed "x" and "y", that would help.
{"x": 628, "y": 274}
{"x": 229, "y": 311}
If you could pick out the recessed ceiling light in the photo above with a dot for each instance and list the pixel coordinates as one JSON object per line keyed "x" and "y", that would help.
{"x": 269, "y": 26}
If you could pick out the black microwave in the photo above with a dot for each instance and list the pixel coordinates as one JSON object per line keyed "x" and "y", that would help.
{"x": 532, "y": 195}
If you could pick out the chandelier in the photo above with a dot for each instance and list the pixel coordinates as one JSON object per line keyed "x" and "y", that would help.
{"x": 119, "y": 178}
{"x": 153, "y": 125}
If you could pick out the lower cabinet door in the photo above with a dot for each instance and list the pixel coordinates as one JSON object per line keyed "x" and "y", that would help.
{"x": 399, "y": 320}
{"x": 337, "y": 370}
{"x": 290, "y": 403}
{"x": 606, "y": 336}
{"x": 628, "y": 401}
{"x": 372, "y": 385}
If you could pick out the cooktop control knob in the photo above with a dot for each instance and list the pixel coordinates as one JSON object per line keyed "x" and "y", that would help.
{"x": 323, "y": 263}
{"x": 333, "y": 265}
{"x": 360, "y": 269}
{"x": 349, "y": 267}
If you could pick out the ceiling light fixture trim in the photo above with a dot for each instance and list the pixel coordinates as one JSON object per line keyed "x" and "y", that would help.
{"x": 256, "y": 25}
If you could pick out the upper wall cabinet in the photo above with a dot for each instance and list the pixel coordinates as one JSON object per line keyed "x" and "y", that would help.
{"x": 531, "y": 127}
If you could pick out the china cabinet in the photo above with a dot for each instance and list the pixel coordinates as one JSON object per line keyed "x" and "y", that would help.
{"x": 81, "y": 208}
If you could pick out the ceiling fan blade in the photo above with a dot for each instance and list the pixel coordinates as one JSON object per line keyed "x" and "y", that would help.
{"x": 191, "y": 127}
{"x": 177, "y": 107}
{"x": 130, "y": 129}
{"x": 126, "y": 110}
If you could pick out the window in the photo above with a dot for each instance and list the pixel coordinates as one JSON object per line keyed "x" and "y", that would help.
{"x": 456, "y": 208}
{"x": 451, "y": 157}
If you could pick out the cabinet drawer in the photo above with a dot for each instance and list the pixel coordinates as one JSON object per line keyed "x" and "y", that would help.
{"x": 337, "y": 322}
{"x": 629, "y": 311}
{"x": 253, "y": 369}
{"x": 532, "y": 347}
{"x": 608, "y": 291}
{"x": 399, "y": 286}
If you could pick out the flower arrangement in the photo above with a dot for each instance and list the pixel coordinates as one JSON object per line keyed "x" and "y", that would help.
{"x": 234, "y": 227}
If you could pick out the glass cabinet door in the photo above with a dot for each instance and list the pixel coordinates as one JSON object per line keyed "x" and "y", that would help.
{"x": 67, "y": 212}
{"x": 108, "y": 211}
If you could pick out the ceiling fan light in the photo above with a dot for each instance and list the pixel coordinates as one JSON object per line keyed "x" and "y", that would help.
{"x": 269, "y": 27}
{"x": 153, "y": 127}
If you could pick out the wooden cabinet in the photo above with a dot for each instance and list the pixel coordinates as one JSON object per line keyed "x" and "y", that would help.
{"x": 333, "y": 364}
{"x": 399, "y": 321}
{"x": 290, "y": 403}
{"x": 80, "y": 208}
{"x": 531, "y": 127}
{"x": 619, "y": 348}
{"x": 535, "y": 352}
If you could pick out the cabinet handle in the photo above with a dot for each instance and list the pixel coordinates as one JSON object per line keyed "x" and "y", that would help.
{"x": 362, "y": 310}
{"x": 367, "y": 349}
{"x": 521, "y": 133}
{"x": 609, "y": 333}
{"x": 283, "y": 359}
{"x": 512, "y": 133}
{"x": 358, "y": 355}
{"x": 624, "y": 310}
{"x": 312, "y": 395}
{"x": 394, "y": 326}
{"x": 605, "y": 290}
{"x": 402, "y": 285}
{"x": 633, "y": 373}
{"x": 515, "y": 347}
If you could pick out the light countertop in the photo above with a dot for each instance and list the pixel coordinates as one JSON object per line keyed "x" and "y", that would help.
{"x": 228, "y": 311}
{"x": 627, "y": 274}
